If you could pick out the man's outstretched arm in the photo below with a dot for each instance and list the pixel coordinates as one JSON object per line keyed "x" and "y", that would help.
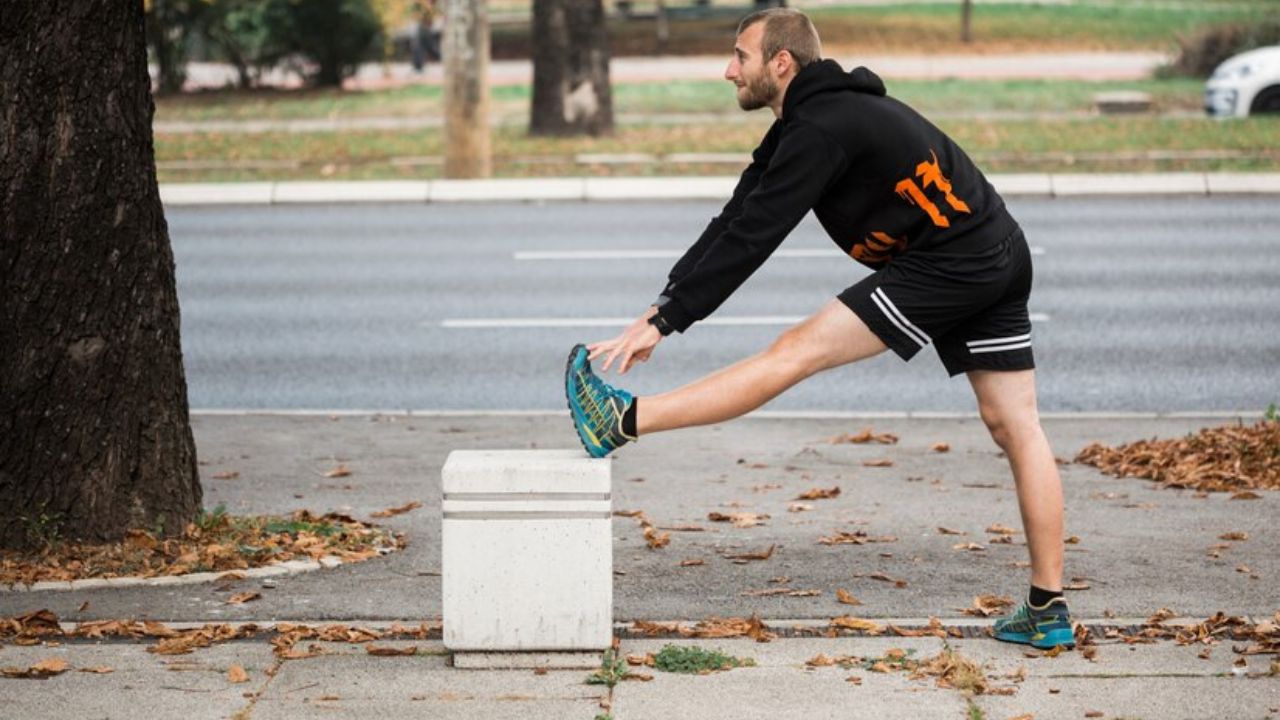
{"x": 801, "y": 169}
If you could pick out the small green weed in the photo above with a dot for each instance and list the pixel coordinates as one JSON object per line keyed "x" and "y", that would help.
{"x": 44, "y": 530}
{"x": 604, "y": 716}
{"x": 1272, "y": 413}
{"x": 695, "y": 660}
{"x": 612, "y": 669}
{"x": 207, "y": 521}
{"x": 894, "y": 659}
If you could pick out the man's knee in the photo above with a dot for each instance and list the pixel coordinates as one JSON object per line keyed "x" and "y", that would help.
{"x": 795, "y": 351}
{"x": 1009, "y": 424}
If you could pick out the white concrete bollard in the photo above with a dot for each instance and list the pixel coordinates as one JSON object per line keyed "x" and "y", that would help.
{"x": 527, "y": 551}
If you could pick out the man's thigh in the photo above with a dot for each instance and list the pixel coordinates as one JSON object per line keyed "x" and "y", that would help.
{"x": 833, "y": 336}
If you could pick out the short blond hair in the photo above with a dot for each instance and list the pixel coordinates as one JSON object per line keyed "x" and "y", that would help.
{"x": 786, "y": 29}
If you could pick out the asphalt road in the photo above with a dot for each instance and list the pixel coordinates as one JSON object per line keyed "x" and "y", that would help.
{"x": 1143, "y": 304}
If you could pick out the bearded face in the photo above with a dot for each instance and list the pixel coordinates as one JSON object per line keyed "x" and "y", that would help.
{"x": 758, "y": 89}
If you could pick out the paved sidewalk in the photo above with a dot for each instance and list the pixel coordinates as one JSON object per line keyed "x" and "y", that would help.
{"x": 1140, "y": 548}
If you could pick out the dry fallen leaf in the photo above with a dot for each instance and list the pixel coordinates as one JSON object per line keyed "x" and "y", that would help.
{"x": 243, "y": 597}
{"x": 762, "y": 555}
{"x": 226, "y": 475}
{"x": 879, "y": 462}
{"x": 847, "y": 622}
{"x": 949, "y": 531}
{"x": 854, "y": 679}
{"x": 742, "y": 520}
{"x": 236, "y": 674}
{"x": 1234, "y": 536}
{"x": 1092, "y": 713}
{"x": 692, "y": 563}
{"x": 940, "y": 447}
{"x": 655, "y": 539}
{"x": 844, "y": 597}
{"x": 45, "y": 668}
{"x": 1230, "y": 458}
{"x": 988, "y": 605}
{"x": 998, "y": 529}
{"x": 971, "y": 546}
{"x": 799, "y": 507}
{"x": 865, "y": 436}
{"x": 99, "y": 670}
{"x": 383, "y": 651}
{"x": 885, "y": 578}
{"x": 1073, "y": 540}
{"x": 819, "y": 494}
{"x": 396, "y": 510}
{"x": 340, "y": 471}
{"x": 857, "y": 537}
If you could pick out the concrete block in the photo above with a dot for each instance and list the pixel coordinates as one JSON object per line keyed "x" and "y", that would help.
{"x": 216, "y": 193}
{"x": 351, "y": 192}
{"x": 527, "y": 553}
{"x": 1130, "y": 184}
{"x": 692, "y": 188}
{"x": 509, "y": 190}
{"x": 1119, "y": 102}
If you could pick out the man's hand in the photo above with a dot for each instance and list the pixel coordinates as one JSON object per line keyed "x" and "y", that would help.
{"x": 635, "y": 344}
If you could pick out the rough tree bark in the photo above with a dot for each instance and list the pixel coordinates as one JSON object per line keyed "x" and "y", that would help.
{"x": 94, "y": 430}
{"x": 571, "y": 92}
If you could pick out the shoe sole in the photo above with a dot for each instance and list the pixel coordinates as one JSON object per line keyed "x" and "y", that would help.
{"x": 568, "y": 396}
{"x": 1044, "y": 641}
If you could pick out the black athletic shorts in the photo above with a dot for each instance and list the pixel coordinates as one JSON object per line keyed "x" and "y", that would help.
{"x": 972, "y": 305}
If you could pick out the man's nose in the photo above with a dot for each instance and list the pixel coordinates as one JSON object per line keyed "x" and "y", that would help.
{"x": 731, "y": 71}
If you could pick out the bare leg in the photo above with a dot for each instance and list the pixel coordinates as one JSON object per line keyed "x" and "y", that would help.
{"x": 1007, "y": 403}
{"x": 831, "y": 337}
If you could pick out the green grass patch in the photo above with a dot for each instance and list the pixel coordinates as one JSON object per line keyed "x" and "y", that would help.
{"x": 1037, "y": 145}
{"x": 612, "y": 670}
{"x": 693, "y": 660}
{"x": 686, "y": 96}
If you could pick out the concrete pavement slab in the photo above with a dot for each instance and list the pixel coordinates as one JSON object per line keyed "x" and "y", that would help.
{"x": 140, "y": 684}
{"x": 1111, "y": 658}
{"x": 1137, "y": 698}
{"x": 359, "y": 685}
{"x": 780, "y": 686}
{"x": 251, "y": 193}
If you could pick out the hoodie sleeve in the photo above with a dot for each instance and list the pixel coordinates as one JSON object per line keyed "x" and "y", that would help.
{"x": 804, "y": 164}
{"x": 746, "y": 183}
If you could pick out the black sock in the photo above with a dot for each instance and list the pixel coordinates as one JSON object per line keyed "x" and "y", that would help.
{"x": 629, "y": 419}
{"x": 1040, "y": 597}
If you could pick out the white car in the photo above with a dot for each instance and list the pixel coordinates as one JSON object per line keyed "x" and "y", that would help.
{"x": 1246, "y": 84}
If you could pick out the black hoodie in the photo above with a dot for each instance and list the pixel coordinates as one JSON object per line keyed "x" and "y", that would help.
{"x": 881, "y": 179}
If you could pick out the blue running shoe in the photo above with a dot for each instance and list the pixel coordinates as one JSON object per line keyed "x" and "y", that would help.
{"x": 1043, "y": 627}
{"x": 595, "y": 406}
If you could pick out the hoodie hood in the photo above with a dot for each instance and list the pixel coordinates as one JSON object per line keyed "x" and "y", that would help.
{"x": 826, "y": 76}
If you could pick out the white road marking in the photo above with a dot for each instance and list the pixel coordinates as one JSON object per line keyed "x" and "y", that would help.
{"x": 562, "y": 322}
{"x": 657, "y": 254}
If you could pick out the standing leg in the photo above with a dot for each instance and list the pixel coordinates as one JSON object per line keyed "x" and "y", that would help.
{"x": 833, "y": 336}
{"x": 1007, "y": 403}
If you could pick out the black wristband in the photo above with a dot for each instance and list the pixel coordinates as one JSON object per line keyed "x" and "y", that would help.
{"x": 664, "y": 328}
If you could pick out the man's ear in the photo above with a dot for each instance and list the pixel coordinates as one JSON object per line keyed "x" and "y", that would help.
{"x": 784, "y": 61}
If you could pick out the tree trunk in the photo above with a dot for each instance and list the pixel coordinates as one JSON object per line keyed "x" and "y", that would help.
{"x": 95, "y": 436}
{"x": 571, "y": 92}
{"x": 966, "y": 21}
{"x": 468, "y": 144}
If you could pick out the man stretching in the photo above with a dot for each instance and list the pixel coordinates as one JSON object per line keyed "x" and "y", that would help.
{"x": 952, "y": 268}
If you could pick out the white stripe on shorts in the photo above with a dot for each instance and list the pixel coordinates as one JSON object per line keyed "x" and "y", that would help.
{"x": 896, "y": 317}
{"x": 999, "y": 341}
{"x": 999, "y": 348}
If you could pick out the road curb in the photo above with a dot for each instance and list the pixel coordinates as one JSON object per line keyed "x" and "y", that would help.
{"x": 717, "y": 188}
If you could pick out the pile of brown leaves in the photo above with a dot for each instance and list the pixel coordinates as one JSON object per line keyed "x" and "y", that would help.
{"x": 714, "y": 627}
{"x": 1226, "y": 459}
{"x": 41, "y": 626}
{"x": 218, "y": 543}
{"x": 1262, "y": 638}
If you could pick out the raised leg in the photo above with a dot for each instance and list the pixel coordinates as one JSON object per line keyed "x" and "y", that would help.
{"x": 831, "y": 337}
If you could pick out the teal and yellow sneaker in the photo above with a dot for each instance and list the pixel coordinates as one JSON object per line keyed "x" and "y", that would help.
{"x": 1043, "y": 627}
{"x": 595, "y": 406}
